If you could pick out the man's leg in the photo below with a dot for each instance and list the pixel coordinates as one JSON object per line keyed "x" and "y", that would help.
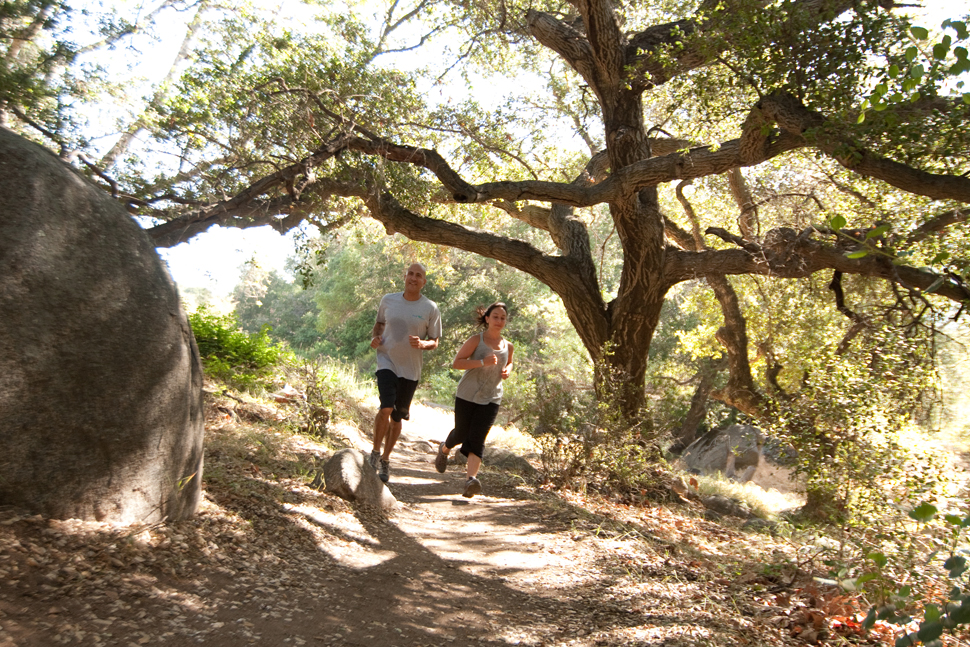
{"x": 402, "y": 408}
{"x": 381, "y": 428}
{"x": 387, "y": 390}
{"x": 392, "y": 434}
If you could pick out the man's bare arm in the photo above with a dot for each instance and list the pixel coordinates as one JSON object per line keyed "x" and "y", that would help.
{"x": 376, "y": 334}
{"x": 422, "y": 344}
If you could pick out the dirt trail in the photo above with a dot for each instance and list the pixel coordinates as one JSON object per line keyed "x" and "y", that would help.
{"x": 450, "y": 569}
{"x": 510, "y": 567}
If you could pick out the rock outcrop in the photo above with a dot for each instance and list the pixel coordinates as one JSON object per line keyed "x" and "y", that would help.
{"x": 348, "y": 475}
{"x": 100, "y": 379}
{"x": 734, "y": 451}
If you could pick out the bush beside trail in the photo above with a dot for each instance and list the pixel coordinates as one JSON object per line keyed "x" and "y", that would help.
{"x": 241, "y": 359}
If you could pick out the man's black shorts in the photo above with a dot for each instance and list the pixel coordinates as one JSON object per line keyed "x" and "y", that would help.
{"x": 395, "y": 393}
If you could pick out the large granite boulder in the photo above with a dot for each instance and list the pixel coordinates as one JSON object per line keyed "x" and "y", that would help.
{"x": 734, "y": 451}
{"x": 100, "y": 379}
{"x": 745, "y": 454}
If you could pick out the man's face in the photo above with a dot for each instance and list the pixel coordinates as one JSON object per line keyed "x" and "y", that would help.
{"x": 415, "y": 280}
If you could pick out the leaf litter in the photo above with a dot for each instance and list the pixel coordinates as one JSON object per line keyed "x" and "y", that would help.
{"x": 270, "y": 560}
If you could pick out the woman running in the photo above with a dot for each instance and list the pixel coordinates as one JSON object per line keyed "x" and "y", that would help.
{"x": 486, "y": 359}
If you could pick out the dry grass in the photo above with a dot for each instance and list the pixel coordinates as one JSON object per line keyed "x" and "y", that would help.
{"x": 514, "y": 440}
{"x": 767, "y": 504}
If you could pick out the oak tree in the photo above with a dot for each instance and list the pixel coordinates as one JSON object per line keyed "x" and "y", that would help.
{"x": 611, "y": 110}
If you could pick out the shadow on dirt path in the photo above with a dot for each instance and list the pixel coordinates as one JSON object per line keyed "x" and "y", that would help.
{"x": 270, "y": 561}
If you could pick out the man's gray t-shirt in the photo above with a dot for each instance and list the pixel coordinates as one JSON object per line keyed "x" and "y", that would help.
{"x": 402, "y": 318}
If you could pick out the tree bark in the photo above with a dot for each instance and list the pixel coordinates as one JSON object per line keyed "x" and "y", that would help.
{"x": 707, "y": 376}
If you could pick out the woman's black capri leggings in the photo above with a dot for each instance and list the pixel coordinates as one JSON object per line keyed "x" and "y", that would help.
{"x": 472, "y": 422}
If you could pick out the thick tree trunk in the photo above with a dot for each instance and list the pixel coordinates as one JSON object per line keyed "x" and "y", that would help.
{"x": 698, "y": 404}
{"x": 634, "y": 313}
{"x": 634, "y": 320}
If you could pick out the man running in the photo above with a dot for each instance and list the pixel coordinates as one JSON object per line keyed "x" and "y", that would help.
{"x": 408, "y": 323}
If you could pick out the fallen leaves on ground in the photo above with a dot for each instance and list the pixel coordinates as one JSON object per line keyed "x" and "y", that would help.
{"x": 272, "y": 561}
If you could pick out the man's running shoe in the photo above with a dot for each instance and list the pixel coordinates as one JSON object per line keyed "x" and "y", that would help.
{"x": 385, "y": 472}
{"x": 373, "y": 459}
{"x": 472, "y": 487}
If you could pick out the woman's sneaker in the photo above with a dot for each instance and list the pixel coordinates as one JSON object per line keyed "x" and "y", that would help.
{"x": 441, "y": 460}
{"x": 472, "y": 487}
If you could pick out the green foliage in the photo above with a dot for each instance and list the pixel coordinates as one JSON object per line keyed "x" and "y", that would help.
{"x": 844, "y": 409}
{"x": 256, "y": 88}
{"x": 266, "y": 300}
{"x": 243, "y": 360}
{"x": 770, "y": 48}
{"x": 922, "y": 66}
{"x": 880, "y": 579}
{"x": 349, "y": 273}
{"x": 332, "y": 389}
{"x": 33, "y": 72}
{"x": 586, "y": 443}
{"x": 347, "y": 277}
{"x": 683, "y": 339}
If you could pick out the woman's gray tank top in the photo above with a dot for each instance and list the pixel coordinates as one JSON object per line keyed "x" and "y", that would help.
{"x": 483, "y": 385}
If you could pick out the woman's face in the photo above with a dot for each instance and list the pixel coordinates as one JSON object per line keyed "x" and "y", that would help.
{"x": 496, "y": 319}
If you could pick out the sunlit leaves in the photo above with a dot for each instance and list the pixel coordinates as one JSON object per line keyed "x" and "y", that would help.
{"x": 782, "y": 47}
{"x": 877, "y": 231}
{"x": 36, "y": 50}
{"x": 924, "y": 67}
{"x": 259, "y": 98}
{"x": 956, "y": 565}
{"x": 923, "y": 512}
{"x": 919, "y": 33}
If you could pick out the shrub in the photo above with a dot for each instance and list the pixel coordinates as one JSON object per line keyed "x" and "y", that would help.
{"x": 240, "y": 359}
{"x": 331, "y": 387}
{"x": 847, "y": 412}
{"x": 440, "y": 386}
{"x": 950, "y": 612}
{"x": 586, "y": 443}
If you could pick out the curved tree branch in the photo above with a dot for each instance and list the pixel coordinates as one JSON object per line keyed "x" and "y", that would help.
{"x": 858, "y": 321}
{"x": 938, "y": 224}
{"x": 661, "y": 52}
{"x": 563, "y": 274}
{"x": 250, "y": 207}
{"x": 283, "y": 213}
{"x": 797, "y": 120}
{"x": 740, "y": 390}
{"x": 787, "y": 254}
{"x": 563, "y": 39}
